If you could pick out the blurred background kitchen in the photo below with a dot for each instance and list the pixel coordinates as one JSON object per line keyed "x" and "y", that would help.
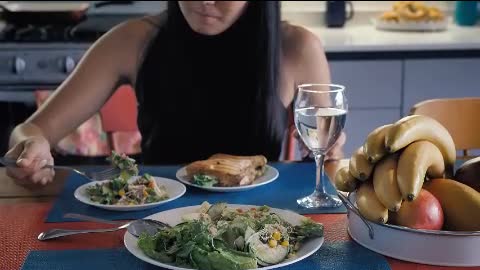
{"x": 388, "y": 63}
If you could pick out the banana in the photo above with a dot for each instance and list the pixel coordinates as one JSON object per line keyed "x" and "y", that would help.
{"x": 359, "y": 166}
{"x": 344, "y": 181}
{"x": 419, "y": 127}
{"x": 460, "y": 204}
{"x": 369, "y": 205}
{"x": 385, "y": 183}
{"x": 374, "y": 146}
{"x": 417, "y": 160}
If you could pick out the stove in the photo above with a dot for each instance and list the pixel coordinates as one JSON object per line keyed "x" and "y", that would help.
{"x": 31, "y": 33}
{"x": 42, "y": 56}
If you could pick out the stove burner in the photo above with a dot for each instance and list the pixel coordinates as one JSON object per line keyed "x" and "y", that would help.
{"x": 33, "y": 33}
{"x": 88, "y": 30}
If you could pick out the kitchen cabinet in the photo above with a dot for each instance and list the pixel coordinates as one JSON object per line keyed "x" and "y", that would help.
{"x": 373, "y": 90}
{"x": 369, "y": 83}
{"x": 361, "y": 122}
{"x": 382, "y": 91}
{"x": 440, "y": 78}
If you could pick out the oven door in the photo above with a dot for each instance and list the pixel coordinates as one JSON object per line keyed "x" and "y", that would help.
{"x": 16, "y": 105}
{"x": 24, "y": 69}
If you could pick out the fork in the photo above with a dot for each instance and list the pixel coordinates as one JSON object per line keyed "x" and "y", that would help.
{"x": 105, "y": 221}
{"x": 92, "y": 176}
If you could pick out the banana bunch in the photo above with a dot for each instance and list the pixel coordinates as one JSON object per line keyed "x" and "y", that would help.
{"x": 394, "y": 162}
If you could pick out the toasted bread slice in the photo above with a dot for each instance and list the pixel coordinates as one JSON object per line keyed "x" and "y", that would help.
{"x": 258, "y": 161}
{"x": 228, "y": 172}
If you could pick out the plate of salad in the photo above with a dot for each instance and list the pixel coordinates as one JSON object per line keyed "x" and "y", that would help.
{"x": 227, "y": 236}
{"x": 129, "y": 191}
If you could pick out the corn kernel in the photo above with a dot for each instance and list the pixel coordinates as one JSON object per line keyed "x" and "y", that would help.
{"x": 272, "y": 243}
{"x": 276, "y": 235}
{"x": 121, "y": 192}
{"x": 284, "y": 243}
{"x": 145, "y": 193}
{"x": 124, "y": 174}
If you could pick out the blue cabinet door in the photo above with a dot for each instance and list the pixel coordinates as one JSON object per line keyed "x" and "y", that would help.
{"x": 361, "y": 122}
{"x": 440, "y": 78}
{"x": 369, "y": 83}
{"x": 374, "y": 89}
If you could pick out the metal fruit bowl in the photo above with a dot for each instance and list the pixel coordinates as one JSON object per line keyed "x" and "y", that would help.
{"x": 443, "y": 248}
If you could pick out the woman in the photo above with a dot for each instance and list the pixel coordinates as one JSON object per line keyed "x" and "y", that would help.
{"x": 210, "y": 77}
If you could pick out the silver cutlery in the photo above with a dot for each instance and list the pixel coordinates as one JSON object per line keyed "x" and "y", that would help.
{"x": 93, "y": 219}
{"x": 113, "y": 222}
{"x": 135, "y": 227}
{"x": 92, "y": 176}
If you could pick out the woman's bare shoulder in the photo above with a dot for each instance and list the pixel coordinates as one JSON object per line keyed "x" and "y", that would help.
{"x": 136, "y": 30}
{"x": 126, "y": 43}
{"x": 299, "y": 43}
{"x": 304, "y": 55}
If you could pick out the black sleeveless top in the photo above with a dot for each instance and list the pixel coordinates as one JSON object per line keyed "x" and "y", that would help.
{"x": 196, "y": 97}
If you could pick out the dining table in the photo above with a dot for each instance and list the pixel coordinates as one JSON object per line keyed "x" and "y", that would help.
{"x": 23, "y": 212}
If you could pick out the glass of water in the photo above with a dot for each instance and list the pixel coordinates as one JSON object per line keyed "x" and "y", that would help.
{"x": 320, "y": 113}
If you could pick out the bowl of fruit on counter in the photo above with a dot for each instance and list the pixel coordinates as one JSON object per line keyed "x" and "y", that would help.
{"x": 405, "y": 200}
{"x": 412, "y": 16}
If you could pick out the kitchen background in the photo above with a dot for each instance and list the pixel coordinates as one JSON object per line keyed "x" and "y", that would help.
{"x": 385, "y": 72}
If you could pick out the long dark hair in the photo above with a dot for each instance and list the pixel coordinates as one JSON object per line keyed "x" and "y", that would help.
{"x": 254, "y": 44}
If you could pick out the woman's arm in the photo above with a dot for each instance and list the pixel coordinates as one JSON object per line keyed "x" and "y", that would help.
{"x": 311, "y": 66}
{"x": 111, "y": 59}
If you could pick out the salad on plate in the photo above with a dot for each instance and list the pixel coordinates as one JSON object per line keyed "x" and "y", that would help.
{"x": 221, "y": 237}
{"x": 128, "y": 188}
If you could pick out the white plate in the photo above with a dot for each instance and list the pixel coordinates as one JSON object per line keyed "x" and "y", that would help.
{"x": 173, "y": 217}
{"x": 271, "y": 174}
{"x": 174, "y": 190}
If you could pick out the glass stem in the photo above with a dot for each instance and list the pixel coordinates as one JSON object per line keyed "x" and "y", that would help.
{"x": 319, "y": 187}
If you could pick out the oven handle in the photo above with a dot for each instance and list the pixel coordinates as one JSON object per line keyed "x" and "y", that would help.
{"x": 18, "y": 96}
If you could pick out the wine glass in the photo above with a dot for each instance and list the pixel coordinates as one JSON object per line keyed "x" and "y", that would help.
{"x": 320, "y": 113}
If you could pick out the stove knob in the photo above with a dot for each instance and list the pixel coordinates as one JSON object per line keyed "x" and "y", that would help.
{"x": 19, "y": 65}
{"x": 68, "y": 64}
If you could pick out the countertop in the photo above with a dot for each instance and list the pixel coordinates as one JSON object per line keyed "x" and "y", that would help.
{"x": 365, "y": 38}
{"x": 360, "y": 34}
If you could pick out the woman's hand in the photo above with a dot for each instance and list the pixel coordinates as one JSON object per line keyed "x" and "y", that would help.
{"x": 31, "y": 155}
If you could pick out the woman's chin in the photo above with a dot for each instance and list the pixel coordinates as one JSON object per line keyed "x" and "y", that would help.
{"x": 208, "y": 30}
{"x": 209, "y": 27}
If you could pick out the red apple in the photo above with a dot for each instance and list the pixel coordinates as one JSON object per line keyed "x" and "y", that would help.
{"x": 425, "y": 212}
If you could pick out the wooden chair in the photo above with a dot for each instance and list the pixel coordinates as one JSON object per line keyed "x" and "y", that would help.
{"x": 460, "y": 116}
